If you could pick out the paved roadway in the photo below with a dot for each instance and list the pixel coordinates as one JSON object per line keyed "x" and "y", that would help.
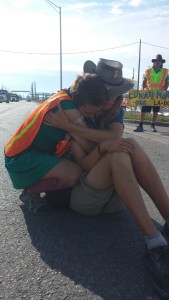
{"x": 67, "y": 256}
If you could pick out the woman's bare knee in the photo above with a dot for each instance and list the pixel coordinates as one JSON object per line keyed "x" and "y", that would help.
{"x": 134, "y": 143}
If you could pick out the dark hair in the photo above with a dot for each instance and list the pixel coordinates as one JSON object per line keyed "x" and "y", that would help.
{"x": 105, "y": 118}
{"x": 88, "y": 89}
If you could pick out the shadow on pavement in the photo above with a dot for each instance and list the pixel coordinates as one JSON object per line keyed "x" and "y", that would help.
{"x": 102, "y": 254}
{"x": 165, "y": 133}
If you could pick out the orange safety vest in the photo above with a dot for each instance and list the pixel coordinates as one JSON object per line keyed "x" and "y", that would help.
{"x": 155, "y": 80}
{"x": 25, "y": 135}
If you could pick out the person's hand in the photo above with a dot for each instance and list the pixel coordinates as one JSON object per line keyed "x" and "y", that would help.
{"x": 58, "y": 119}
{"x": 116, "y": 145}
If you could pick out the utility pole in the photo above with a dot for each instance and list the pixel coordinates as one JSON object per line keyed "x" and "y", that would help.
{"x": 33, "y": 90}
{"x": 60, "y": 26}
{"x": 139, "y": 65}
{"x": 133, "y": 74}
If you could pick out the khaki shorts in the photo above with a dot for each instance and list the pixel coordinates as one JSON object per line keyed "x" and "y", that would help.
{"x": 88, "y": 201}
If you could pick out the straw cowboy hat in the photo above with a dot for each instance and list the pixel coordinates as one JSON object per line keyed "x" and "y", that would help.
{"x": 110, "y": 71}
{"x": 159, "y": 58}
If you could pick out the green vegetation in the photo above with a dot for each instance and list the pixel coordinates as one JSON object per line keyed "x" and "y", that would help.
{"x": 135, "y": 116}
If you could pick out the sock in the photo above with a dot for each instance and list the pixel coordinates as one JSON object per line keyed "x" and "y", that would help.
{"x": 155, "y": 240}
{"x": 152, "y": 124}
{"x": 140, "y": 123}
{"x": 45, "y": 185}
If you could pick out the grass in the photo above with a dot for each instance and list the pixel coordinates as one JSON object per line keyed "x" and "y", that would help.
{"x": 135, "y": 116}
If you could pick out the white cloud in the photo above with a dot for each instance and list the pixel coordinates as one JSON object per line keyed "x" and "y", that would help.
{"x": 21, "y": 4}
{"x": 135, "y": 3}
{"x": 80, "y": 7}
{"x": 86, "y": 26}
{"x": 116, "y": 9}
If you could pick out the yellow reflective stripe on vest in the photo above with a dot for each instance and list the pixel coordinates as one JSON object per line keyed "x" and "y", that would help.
{"x": 33, "y": 121}
{"x": 24, "y": 136}
{"x": 25, "y": 129}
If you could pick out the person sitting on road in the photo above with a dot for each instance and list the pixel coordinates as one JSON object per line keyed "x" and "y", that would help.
{"x": 113, "y": 173}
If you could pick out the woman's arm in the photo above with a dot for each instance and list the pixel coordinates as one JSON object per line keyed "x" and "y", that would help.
{"x": 83, "y": 143}
{"x": 117, "y": 129}
{"x": 87, "y": 161}
{"x": 74, "y": 115}
{"x": 60, "y": 120}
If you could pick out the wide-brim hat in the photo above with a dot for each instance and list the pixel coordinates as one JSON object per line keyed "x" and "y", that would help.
{"x": 110, "y": 71}
{"x": 159, "y": 58}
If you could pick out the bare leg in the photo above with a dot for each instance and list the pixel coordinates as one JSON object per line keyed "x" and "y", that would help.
{"x": 67, "y": 172}
{"x": 149, "y": 179}
{"x": 154, "y": 118}
{"x": 117, "y": 169}
{"x": 142, "y": 116}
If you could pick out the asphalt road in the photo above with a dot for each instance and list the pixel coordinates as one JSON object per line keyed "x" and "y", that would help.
{"x": 68, "y": 256}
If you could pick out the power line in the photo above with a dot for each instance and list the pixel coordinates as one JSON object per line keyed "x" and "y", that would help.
{"x": 40, "y": 53}
{"x": 155, "y": 45}
{"x": 33, "y": 53}
{"x": 102, "y": 49}
{"x": 80, "y": 52}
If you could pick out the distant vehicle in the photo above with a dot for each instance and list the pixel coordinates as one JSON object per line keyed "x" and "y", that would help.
{"x": 4, "y": 96}
{"x": 14, "y": 97}
{"x": 28, "y": 99}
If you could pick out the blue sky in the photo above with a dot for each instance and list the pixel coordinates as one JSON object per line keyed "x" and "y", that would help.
{"x": 90, "y": 30}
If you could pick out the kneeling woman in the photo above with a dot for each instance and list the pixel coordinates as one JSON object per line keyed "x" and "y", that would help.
{"x": 38, "y": 157}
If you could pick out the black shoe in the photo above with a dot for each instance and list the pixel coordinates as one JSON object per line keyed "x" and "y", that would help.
{"x": 153, "y": 128}
{"x": 34, "y": 203}
{"x": 59, "y": 199}
{"x": 165, "y": 231}
{"x": 157, "y": 264}
{"x": 139, "y": 128}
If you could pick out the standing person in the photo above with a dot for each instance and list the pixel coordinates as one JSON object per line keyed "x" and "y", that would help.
{"x": 113, "y": 173}
{"x": 38, "y": 157}
{"x": 155, "y": 78}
